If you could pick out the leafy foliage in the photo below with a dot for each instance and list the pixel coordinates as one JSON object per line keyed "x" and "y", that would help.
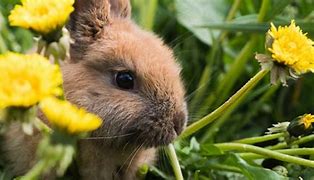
{"x": 210, "y": 47}
{"x": 195, "y": 35}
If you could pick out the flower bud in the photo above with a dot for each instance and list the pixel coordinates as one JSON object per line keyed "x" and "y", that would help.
{"x": 301, "y": 125}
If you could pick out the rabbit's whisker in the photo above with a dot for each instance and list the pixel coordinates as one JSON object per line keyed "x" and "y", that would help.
{"x": 108, "y": 137}
{"x": 188, "y": 97}
{"x": 131, "y": 156}
{"x": 129, "y": 164}
{"x": 175, "y": 43}
{"x": 163, "y": 159}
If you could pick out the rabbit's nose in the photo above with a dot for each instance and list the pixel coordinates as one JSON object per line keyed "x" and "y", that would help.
{"x": 179, "y": 121}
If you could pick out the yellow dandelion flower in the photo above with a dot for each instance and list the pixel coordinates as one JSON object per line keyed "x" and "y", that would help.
{"x": 68, "y": 117}
{"x": 307, "y": 120}
{"x": 292, "y": 48}
{"x": 301, "y": 125}
{"x": 40, "y": 15}
{"x": 27, "y": 79}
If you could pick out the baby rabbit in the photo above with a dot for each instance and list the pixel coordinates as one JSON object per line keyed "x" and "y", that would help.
{"x": 125, "y": 75}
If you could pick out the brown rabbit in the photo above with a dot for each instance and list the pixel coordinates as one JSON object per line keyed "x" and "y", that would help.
{"x": 125, "y": 75}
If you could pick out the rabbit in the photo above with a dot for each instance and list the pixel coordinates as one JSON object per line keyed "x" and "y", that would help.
{"x": 125, "y": 75}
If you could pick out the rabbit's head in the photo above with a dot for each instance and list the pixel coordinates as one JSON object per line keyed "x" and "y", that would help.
{"x": 124, "y": 74}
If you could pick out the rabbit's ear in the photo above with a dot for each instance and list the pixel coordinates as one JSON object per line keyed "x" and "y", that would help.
{"x": 90, "y": 16}
{"x": 89, "y": 19}
{"x": 120, "y": 8}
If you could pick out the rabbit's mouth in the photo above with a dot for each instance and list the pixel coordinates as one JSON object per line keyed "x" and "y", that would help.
{"x": 154, "y": 137}
{"x": 156, "y": 132}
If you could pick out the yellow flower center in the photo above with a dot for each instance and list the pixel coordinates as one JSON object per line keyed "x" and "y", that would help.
{"x": 40, "y": 11}
{"x": 292, "y": 48}
{"x": 307, "y": 120}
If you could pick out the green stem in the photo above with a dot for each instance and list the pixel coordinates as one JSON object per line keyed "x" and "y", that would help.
{"x": 42, "y": 126}
{"x": 228, "y": 81}
{"x": 265, "y": 152}
{"x": 293, "y": 152}
{"x": 254, "y": 109}
{"x": 174, "y": 161}
{"x": 3, "y": 47}
{"x": 253, "y": 140}
{"x": 220, "y": 110}
{"x": 211, "y": 132}
{"x": 201, "y": 89}
{"x": 41, "y": 45}
{"x": 202, "y": 85}
{"x": 263, "y": 11}
{"x": 148, "y": 12}
{"x": 235, "y": 71}
{"x": 36, "y": 171}
{"x": 223, "y": 167}
{"x": 233, "y": 10}
{"x": 297, "y": 142}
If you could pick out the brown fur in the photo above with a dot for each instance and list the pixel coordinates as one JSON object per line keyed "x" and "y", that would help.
{"x": 19, "y": 149}
{"x": 135, "y": 121}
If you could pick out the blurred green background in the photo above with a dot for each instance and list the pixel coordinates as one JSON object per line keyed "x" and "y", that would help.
{"x": 208, "y": 37}
{"x": 215, "y": 42}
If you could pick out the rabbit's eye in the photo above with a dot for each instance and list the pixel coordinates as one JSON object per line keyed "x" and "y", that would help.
{"x": 125, "y": 80}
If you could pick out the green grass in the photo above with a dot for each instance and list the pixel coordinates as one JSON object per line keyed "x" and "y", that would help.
{"x": 215, "y": 41}
{"x": 215, "y": 68}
